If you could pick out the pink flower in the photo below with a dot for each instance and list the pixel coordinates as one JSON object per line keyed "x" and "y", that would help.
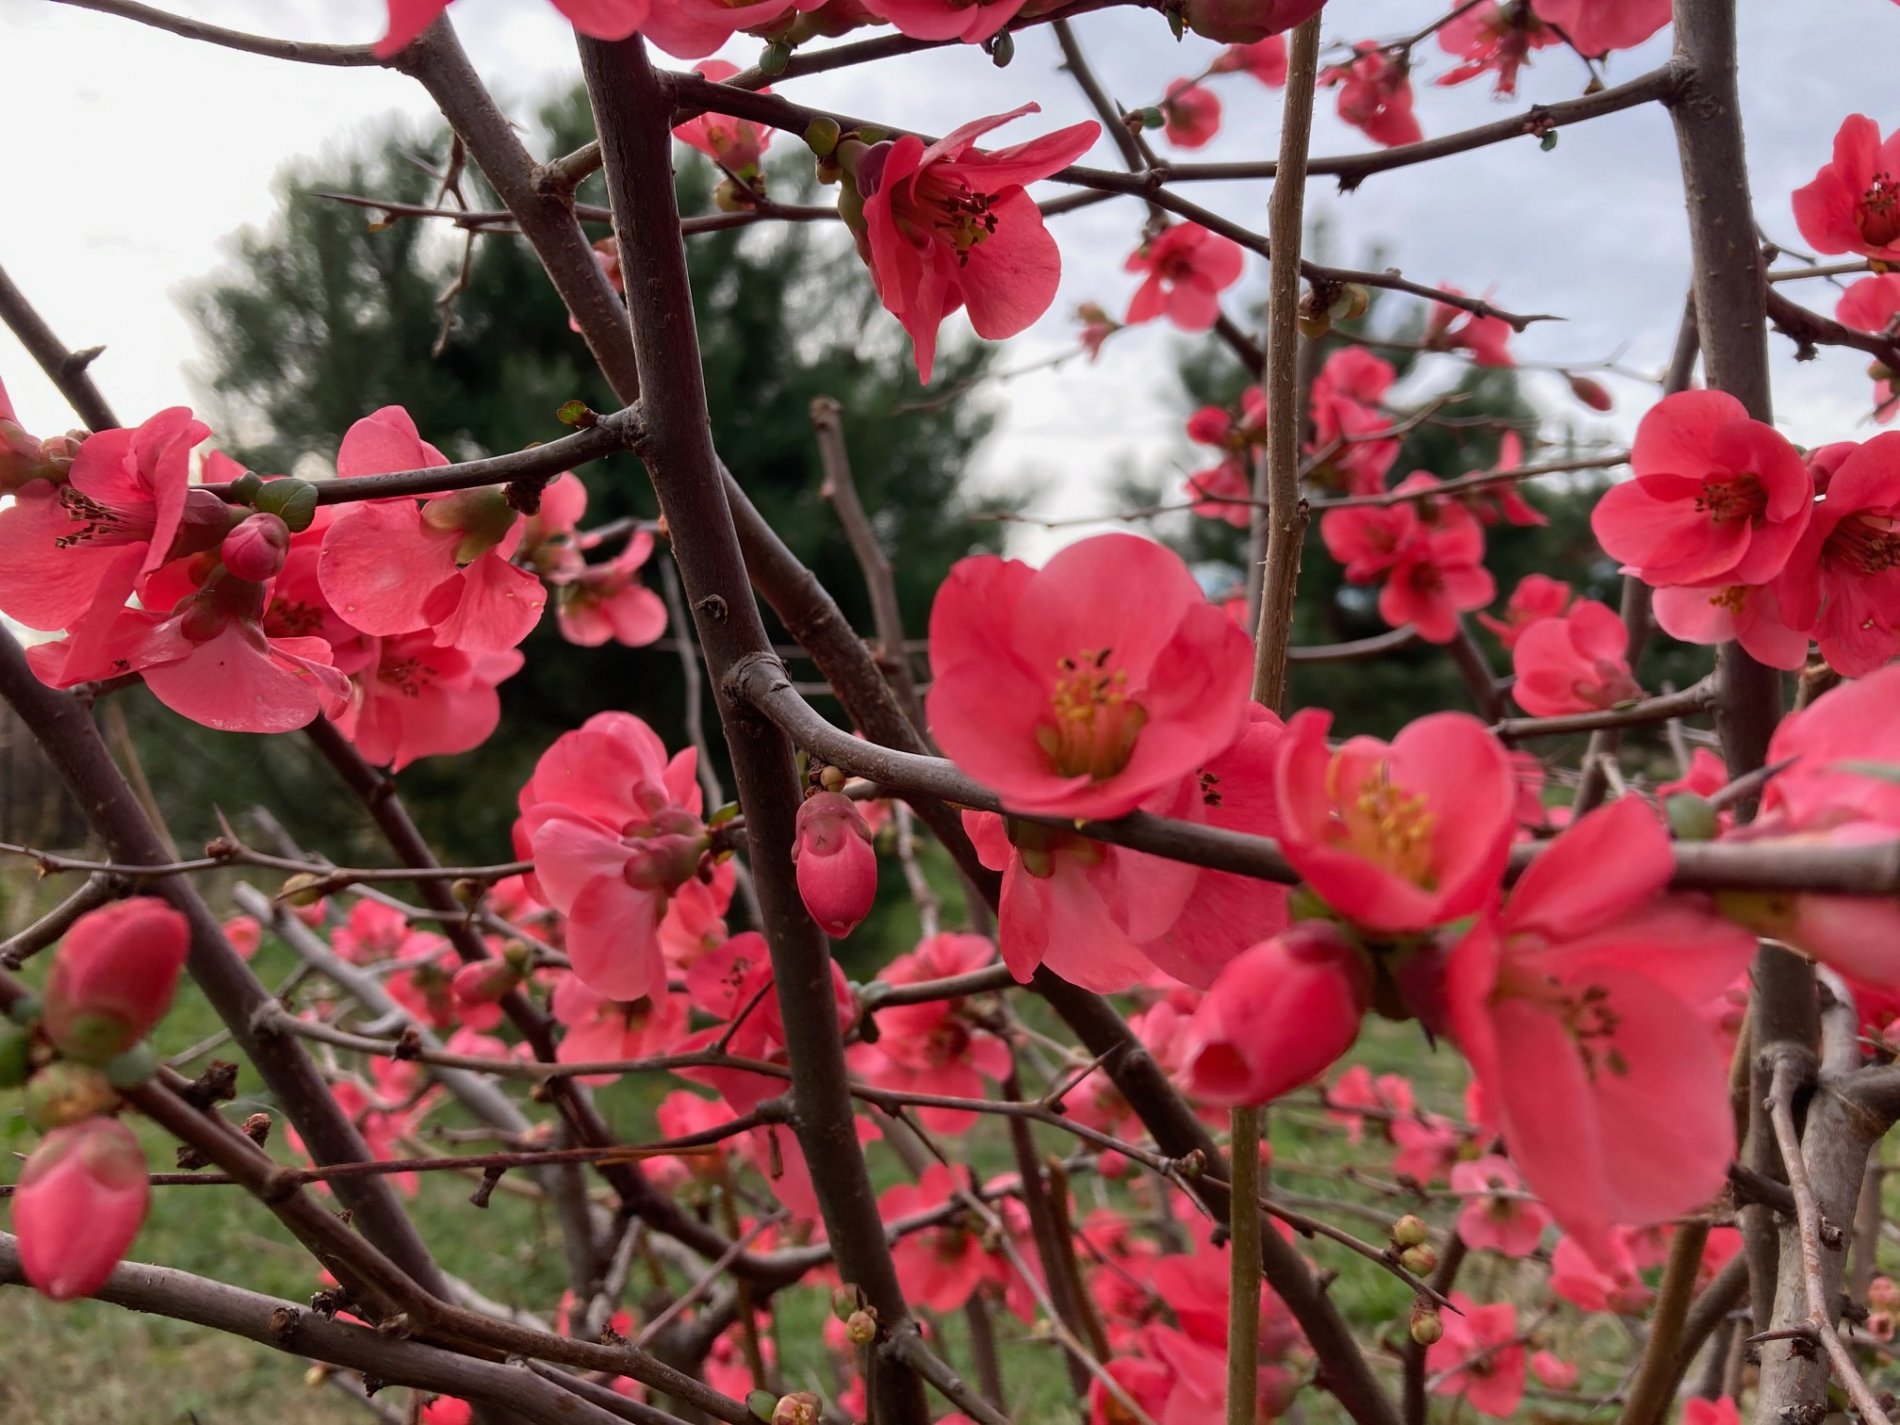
{"x": 113, "y": 978}
{"x": 1278, "y": 1016}
{"x": 1493, "y": 38}
{"x": 1611, "y": 1285}
{"x": 736, "y": 145}
{"x": 1081, "y": 688}
{"x": 1390, "y": 1094}
{"x": 1188, "y": 268}
{"x": 1871, "y": 305}
{"x": 598, "y": 602}
{"x": 946, "y": 20}
{"x": 950, "y": 225}
{"x": 245, "y": 935}
{"x": 81, "y": 1200}
{"x": 1511, "y": 1226}
{"x": 1596, "y": 27}
{"x": 935, "y": 1047}
{"x": 692, "y": 29}
{"x": 1439, "y": 574}
{"x": 1576, "y": 1006}
{"x": 1749, "y": 614}
{"x": 1370, "y": 539}
{"x": 25, "y": 458}
{"x": 256, "y": 548}
{"x": 1452, "y": 328}
{"x": 391, "y": 567}
{"x": 1853, "y": 204}
{"x": 1224, "y": 492}
{"x": 1264, "y": 59}
{"x": 1375, "y": 95}
{"x": 835, "y": 863}
{"x": 1553, "y": 1372}
{"x": 613, "y": 828}
{"x": 1192, "y": 114}
{"x": 416, "y": 698}
{"x": 1576, "y": 662}
{"x": 1537, "y": 596}
{"x": 1400, "y": 837}
{"x": 1842, "y": 581}
{"x": 1479, "y": 1357}
{"x": 1722, "y": 1411}
{"x": 601, "y": 19}
{"x": 601, "y": 1029}
{"x": 1717, "y": 499}
{"x": 1246, "y": 21}
{"x": 939, "y": 1267}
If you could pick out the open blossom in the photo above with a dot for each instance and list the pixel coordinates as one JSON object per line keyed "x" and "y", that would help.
{"x": 1496, "y": 1217}
{"x": 390, "y": 567}
{"x": 1264, "y": 59}
{"x": 414, "y": 698}
{"x": 602, "y": 19}
{"x": 1375, "y": 95}
{"x": 1223, "y": 492}
{"x": 1493, "y": 38}
{"x": 939, "y": 1267}
{"x": 601, "y": 1029}
{"x": 972, "y": 23}
{"x": 1479, "y": 1357}
{"x": 1246, "y": 21}
{"x": 935, "y": 1047}
{"x": 1399, "y": 837}
{"x": 736, "y": 145}
{"x": 1278, "y": 1016}
{"x": 1871, "y": 305}
{"x": 1537, "y": 596}
{"x": 1187, "y": 269}
{"x": 1083, "y": 687}
{"x": 1576, "y": 1007}
{"x": 950, "y": 226}
{"x": 1576, "y": 662}
{"x": 1191, "y": 114}
{"x": 1438, "y": 574}
{"x": 1717, "y": 499}
{"x": 1596, "y": 27}
{"x": 1749, "y": 614}
{"x": 612, "y": 825}
{"x": 1451, "y": 328}
{"x": 598, "y": 602}
{"x": 81, "y": 1200}
{"x": 1842, "y": 579}
{"x": 1853, "y": 204}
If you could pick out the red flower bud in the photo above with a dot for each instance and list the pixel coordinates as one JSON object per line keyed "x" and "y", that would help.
{"x": 484, "y": 982}
{"x": 81, "y": 1201}
{"x": 837, "y": 869}
{"x": 1591, "y": 393}
{"x": 256, "y": 548}
{"x": 113, "y": 978}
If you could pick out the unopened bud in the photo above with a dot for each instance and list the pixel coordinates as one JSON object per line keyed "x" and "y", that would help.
{"x": 835, "y": 865}
{"x": 256, "y": 548}
{"x": 832, "y": 779}
{"x": 1691, "y": 817}
{"x": 81, "y": 1200}
{"x": 860, "y": 1327}
{"x": 1427, "y": 1325}
{"x": 1410, "y": 1231}
{"x": 801, "y": 1407}
{"x": 64, "y": 1093}
{"x": 845, "y": 1300}
{"x": 1002, "y": 48}
{"x": 113, "y": 978}
{"x": 1150, "y": 118}
{"x": 485, "y": 982}
{"x": 822, "y": 135}
{"x": 1592, "y": 393}
{"x": 304, "y": 888}
{"x": 1420, "y": 1260}
{"x": 776, "y": 58}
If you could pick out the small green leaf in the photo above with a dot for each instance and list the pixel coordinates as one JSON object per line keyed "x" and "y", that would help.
{"x": 1548, "y": 141}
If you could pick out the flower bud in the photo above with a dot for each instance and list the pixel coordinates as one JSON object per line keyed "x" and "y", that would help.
{"x": 1591, "y": 393}
{"x": 245, "y": 934}
{"x": 822, "y": 135}
{"x": 1691, "y": 818}
{"x": 81, "y": 1200}
{"x": 65, "y": 1093}
{"x": 837, "y": 869}
{"x": 1409, "y": 1231}
{"x": 1420, "y": 1260}
{"x": 801, "y": 1407}
{"x": 1427, "y": 1325}
{"x": 860, "y": 1328}
{"x": 1278, "y": 1015}
{"x": 113, "y": 978}
{"x": 293, "y": 501}
{"x": 255, "y": 549}
{"x": 1243, "y": 22}
{"x": 1883, "y": 1294}
{"x": 484, "y": 982}
{"x": 845, "y": 1300}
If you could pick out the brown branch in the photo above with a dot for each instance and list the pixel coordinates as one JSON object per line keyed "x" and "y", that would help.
{"x": 65, "y": 367}
{"x": 1699, "y": 698}
{"x": 1483, "y": 479}
{"x": 22, "y": 946}
{"x": 300, "y": 51}
{"x": 1811, "y": 329}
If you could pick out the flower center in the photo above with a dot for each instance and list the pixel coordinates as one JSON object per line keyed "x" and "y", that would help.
{"x": 1388, "y": 825}
{"x": 952, "y": 210}
{"x": 1739, "y": 498}
{"x": 1093, "y": 722}
{"x": 408, "y": 676}
{"x": 98, "y": 522}
{"x": 1866, "y": 543}
{"x": 1879, "y": 214}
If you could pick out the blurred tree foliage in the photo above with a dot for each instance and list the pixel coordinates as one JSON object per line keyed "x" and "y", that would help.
{"x": 327, "y": 314}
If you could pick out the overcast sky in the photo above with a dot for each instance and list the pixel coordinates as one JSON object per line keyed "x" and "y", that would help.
{"x": 130, "y": 155}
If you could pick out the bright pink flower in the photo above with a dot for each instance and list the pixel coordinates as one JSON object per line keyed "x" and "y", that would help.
{"x": 1505, "y": 499}
{"x": 835, "y": 863}
{"x": 613, "y": 828}
{"x": 1749, "y": 614}
{"x": 1493, "y": 38}
{"x": 737, "y": 977}
{"x": 972, "y": 23}
{"x": 392, "y": 567}
{"x": 1081, "y": 688}
{"x": 1493, "y": 1219}
{"x": 1596, "y": 27}
{"x": 935, "y": 1047}
{"x": 598, "y": 602}
{"x": 1479, "y": 1357}
{"x": 602, "y": 19}
{"x": 1390, "y": 1094}
{"x": 1224, "y": 492}
{"x": 938, "y": 1267}
{"x": 1231, "y": 431}
{"x": 245, "y": 935}
{"x": 692, "y": 29}
{"x": 1717, "y": 499}
{"x": 1721, "y": 1411}
{"x": 1191, "y": 113}
{"x": 1576, "y": 662}
{"x": 1370, "y": 539}
{"x": 1872, "y": 305}
{"x": 417, "y": 698}
{"x": 736, "y": 145}
{"x": 1853, "y": 204}
{"x": 600, "y": 1029}
{"x": 81, "y": 1200}
{"x": 1375, "y": 95}
{"x": 1187, "y": 269}
{"x": 1400, "y": 837}
{"x": 256, "y": 548}
{"x": 1842, "y": 581}
{"x": 1439, "y": 574}
{"x": 951, "y": 225}
{"x": 1428, "y": 1147}
{"x": 1537, "y": 596}
{"x": 113, "y": 978}
{"x": 1575, "y": 1007}
{"x": 1264, "y": 59}
{"x": 1353, "y": 374}
{"x": 1611, "y": 1285}
{"x": 447, "y": 1410}
{"x": 1245, "y": 21}
{"x": 1278, "y": 1016}
{"x": 1450, "y": 328}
